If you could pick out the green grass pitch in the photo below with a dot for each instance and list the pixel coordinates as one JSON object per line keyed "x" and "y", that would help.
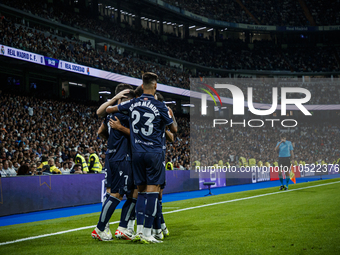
{"x": 304, "y": 221}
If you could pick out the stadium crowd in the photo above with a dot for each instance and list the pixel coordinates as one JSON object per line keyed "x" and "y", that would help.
{"x": 34, "y": 128}
{"x": 312, "y": 142}
{"x": 233, "y": 55}
{"x": 278, "y": 13}
{"x": 83, "y": 53}
{"x": 228, "y": 10}
{"x": 124, "y": 62}
{"x": 324, "y": 13}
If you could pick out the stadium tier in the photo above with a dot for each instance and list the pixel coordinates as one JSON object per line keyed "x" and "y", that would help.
{"x": 202, "y": 57}
{"x": 53, "y": 127}
{"x": 282, "y": 13}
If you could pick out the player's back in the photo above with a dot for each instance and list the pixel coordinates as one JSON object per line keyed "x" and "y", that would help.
{"x": 118, "y": 143}
{"x": 148, "y": 120}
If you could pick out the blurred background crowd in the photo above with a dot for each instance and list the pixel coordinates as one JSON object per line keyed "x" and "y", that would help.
{"x": 313, "y": 143}
{"x": 34, "y": 128}
{"x": 232, "y": 54}
{"x": 281, "y": 13}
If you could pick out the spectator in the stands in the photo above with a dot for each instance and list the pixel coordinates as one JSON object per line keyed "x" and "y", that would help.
{"x": 77, "y": 169}
{"x": 9, "y": 172}
{"x": 33, "y": 169}
{"x": 24, "y": 170}
{"x": 65, "y": 169}
{"x": 53, "y": 168}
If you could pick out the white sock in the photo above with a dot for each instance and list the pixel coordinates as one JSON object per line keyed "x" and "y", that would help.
{"x": 121, "y": 228}
{"x": 131, "y": 224}
{"x": 139, "y": 229}
{"x": 147, "y": 232}
{"x": 163, "y": 226}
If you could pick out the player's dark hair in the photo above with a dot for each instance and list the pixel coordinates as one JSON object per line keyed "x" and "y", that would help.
{"x": 122, "y": 86}
{"x": 149, "y": 79}
{"x": 159, "y": 97}
{"x": 139, "y": 91}
{"x": 283, "y": 135}
{"x": 131, "y": 94}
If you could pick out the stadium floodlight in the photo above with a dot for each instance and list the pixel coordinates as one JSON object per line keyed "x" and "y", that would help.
{"x": 222, "y": 30}
{"x": 164, "y": 22}
{"x": 154, "y": 20}
{"x": 150, "y": 19}
{"x": 226, "y": 28}
{"x": 133, "y": 16}
{"x": 192, "y": 27}
{"x": 173, "y": 24}
{"x": 157, "y": 21}
{"x": 116, "y": 9}
{"x": 188, "y": 105}
{"x": 170, "y": 102}
{"x": 180, "y": 25}
{"x": 210, "y": 29}
{"x": 201, "y": 28}
{"x": 169, "y": 23}
{"x": 76, "y": 84}
{"x": 105, "y": 92}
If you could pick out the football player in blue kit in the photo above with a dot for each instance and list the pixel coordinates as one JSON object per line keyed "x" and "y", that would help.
{"x": 119, "y": 172}
{"x": 159, "y": 227}
{"x": 148, "y": 119}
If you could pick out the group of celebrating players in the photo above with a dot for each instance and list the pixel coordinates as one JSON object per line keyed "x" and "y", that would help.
{"x": 137, "y": 125}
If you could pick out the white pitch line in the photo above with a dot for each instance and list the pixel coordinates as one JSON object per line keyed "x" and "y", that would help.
{"x": 179, "y": 210}
{"x": 52, "y": 234}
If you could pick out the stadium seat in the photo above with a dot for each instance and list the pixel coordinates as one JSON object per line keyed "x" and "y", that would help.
{"x": 209, "y": 184}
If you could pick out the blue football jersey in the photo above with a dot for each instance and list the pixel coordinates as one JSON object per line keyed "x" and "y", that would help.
{"x": 118, "y": 144}
{"x": 148, "y": 119}
{"x": 285, "y": 149}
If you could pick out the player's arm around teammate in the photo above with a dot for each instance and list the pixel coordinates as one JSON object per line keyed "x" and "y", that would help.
{"x": 101, "y": 110}
{"x": 103, "y": 132}
{"x": 115, "y": 124}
